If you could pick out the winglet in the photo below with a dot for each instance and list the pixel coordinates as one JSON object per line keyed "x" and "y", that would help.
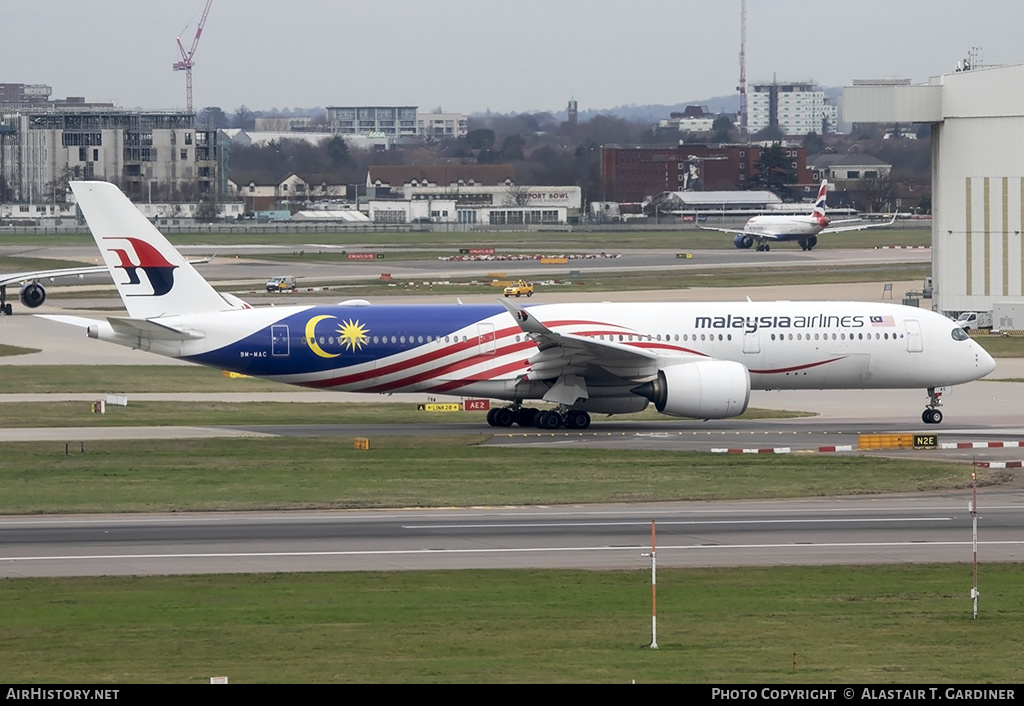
{"x": 528, "y": 323}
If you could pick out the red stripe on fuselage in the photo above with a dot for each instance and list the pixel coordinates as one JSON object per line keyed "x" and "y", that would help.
{"x": 422, "y": 359}
{"x": 794, "y": 368}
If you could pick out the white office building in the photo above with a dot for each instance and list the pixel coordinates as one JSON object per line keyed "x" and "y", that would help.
{"x": 797, "y": 108}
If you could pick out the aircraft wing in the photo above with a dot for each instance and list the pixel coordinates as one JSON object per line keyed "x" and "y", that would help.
{"x": 740, "y": 231}
{"x": 730, "y": 231}
{"x": 19, "y": 277}
{"x": 573, "y": 361}
{"x": 861, "y": 226}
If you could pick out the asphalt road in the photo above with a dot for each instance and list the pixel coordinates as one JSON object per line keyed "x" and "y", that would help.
{"x": 920, "y": 528}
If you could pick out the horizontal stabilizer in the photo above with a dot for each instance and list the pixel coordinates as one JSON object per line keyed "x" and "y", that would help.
{"x": 79, "y": 321}
{"x": 153, "y": 330}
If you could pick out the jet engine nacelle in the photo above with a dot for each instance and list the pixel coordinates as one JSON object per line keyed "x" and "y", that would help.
{"x": 33, "y": 295}
{"x": 743, "y": 242}
{"x": 708, "y": 389}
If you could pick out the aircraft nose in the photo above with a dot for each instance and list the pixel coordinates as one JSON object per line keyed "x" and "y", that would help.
{"x": 986, "y": 363}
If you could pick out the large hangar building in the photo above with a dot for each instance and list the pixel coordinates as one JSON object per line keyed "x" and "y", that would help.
{"x": 977, "y": 119}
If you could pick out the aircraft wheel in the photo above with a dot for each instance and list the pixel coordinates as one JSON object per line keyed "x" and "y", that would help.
{"x": 803, "y": 245}
{"x": 525, "y": 417}
{"x": 8, "y": 309}
{"x": 577, "y": 419}
{"x": 549, "y": 420}
{"x": 931, "y": 416}
{"x": 490, "y": 416}
{"x": 503, "y": 417}
{"x": 767, "y": 247}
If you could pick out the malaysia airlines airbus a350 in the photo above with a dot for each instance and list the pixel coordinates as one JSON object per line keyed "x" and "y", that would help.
{"x": 764, "y": 230}
{"x": 690, "y": 359}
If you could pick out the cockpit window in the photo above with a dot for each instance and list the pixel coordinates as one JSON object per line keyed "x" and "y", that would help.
{"x": 959, "y": 334}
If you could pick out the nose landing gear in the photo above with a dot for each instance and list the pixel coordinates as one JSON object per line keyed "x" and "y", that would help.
{"x": 933, "y": 415}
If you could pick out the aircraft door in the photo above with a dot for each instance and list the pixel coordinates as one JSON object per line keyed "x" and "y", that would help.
{"x": 915, "y": 342}
{"x": 279, "y": 344}
{"x": 752, "y": 341}
{"x": 485, "y": 339}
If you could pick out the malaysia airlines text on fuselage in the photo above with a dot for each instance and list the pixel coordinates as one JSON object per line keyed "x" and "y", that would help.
{"x": 750, "y": 324}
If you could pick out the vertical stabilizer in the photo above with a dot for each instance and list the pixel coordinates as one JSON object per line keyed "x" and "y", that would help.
{"x": 819, "y": 203}
{"x": 152, "y": 277}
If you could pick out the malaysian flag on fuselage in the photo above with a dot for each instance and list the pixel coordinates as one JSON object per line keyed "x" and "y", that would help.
{"x": 883, "y": 321}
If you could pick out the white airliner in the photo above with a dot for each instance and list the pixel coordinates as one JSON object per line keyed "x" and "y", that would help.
{"x": 764, "y": 230}
{"x": 690, "y": 359}
{"x": 32, "y": 293}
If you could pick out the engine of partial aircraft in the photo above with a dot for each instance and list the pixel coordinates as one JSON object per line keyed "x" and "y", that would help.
{"x": 743, "y": 242}
{"x": 33, "y": 295}
{"x": 708, "y": 389}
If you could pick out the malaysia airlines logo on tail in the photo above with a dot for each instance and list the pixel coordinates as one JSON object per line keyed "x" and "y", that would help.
{"x": 158, "y": 270}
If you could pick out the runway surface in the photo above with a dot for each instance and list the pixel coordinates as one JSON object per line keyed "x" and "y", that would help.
{"x": 922, "y": 528}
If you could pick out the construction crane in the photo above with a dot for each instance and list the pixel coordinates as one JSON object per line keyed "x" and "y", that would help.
{"x": 186, "y": 56}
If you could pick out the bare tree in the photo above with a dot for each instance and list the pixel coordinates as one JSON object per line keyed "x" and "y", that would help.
{"x": 879, "y": 190}
{"x": 517, "y": 196}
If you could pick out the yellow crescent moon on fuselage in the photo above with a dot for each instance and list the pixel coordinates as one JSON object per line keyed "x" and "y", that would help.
{"x": 311, "y": 337}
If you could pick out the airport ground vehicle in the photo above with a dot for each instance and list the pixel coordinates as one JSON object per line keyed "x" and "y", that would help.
{"x": 284, "y": 283}
{"x": 519, "y": 288}
{"x": 974, "y": 320}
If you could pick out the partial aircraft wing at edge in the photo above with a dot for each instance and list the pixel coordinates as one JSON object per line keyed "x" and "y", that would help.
{"x": 19, "y": 277}
{"x": 862, "y": 226}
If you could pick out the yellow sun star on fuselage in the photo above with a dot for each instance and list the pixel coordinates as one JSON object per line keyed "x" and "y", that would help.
{"x": 352, "y": 335}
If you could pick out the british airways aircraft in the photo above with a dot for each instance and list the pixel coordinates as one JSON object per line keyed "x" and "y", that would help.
{"x": 764, "y": 230}
{"x": 696, "y": 360}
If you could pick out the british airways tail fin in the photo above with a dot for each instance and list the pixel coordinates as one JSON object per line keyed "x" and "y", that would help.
{"x": 152, "y": 277}
{"x": 819, "y": 203}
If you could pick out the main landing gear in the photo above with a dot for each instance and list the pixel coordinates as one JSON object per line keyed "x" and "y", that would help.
{"x": 808, "y": 243}
{"x": 933, "y": 415}
{"x": 540, "y": 418}
{"x": 763, "y": 247}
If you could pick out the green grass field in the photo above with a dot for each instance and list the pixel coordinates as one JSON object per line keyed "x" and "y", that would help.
{"x": 561, "y": 240}
{"x": 423, "y": 470}
{"x": 777, "y": 625}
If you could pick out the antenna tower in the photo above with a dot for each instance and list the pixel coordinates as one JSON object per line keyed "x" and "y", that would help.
{"x": 743, "y": 69}
{"x": 186, "y": 57}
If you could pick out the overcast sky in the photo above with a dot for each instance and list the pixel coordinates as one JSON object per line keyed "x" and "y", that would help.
{"x": 473, "y": 55}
